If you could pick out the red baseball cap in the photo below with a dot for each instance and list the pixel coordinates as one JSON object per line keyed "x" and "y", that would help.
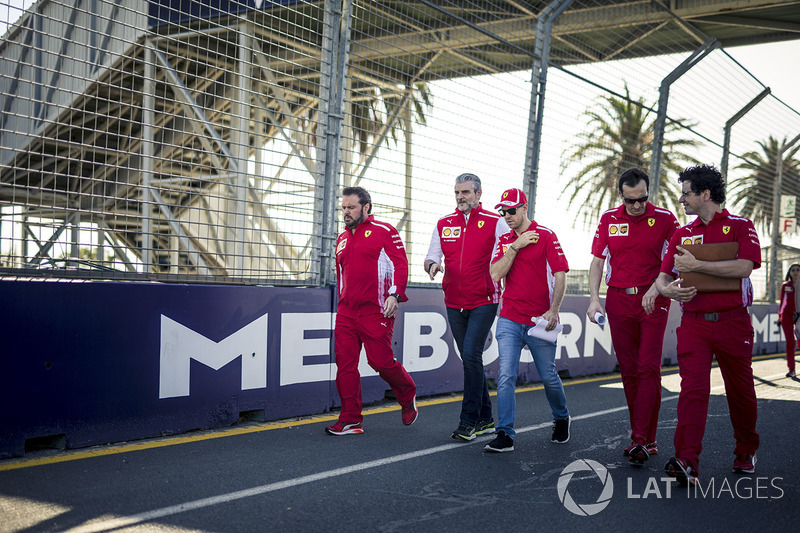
{"x": 512, "y": 198}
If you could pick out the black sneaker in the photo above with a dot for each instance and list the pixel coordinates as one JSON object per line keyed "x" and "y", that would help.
{"x": 464, "y": 432}
{"x": 638, "y": 455}
{"x": 501, "y": 443}
{"x": 560, "y": 431}
{"x": 484, "y": 426}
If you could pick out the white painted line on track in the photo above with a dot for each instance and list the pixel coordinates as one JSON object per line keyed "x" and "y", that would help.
{"x": 127, "y": 521}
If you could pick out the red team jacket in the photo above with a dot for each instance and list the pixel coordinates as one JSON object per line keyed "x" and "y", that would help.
{"x": 467, "y": 249}
{"x": 786, "y": 311}
{"x": 633, "y": 247}
{"x": 371, "y": 264}
{"x": 530, "y": 282}
{"x": 724, "y": 227}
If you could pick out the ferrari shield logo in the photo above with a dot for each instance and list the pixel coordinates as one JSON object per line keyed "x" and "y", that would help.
{"x": 535, "y": 239}
{"x": 481, "y": 223}
{"x": 651, "y": 222}
{"x": 368, "y": 233}
{"x": 726, "y": 229}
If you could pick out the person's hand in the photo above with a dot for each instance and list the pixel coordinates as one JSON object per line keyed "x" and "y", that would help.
{"x": 594, "y": 308}
{"x": 649, "y": 299}
{"x": 674, "y": 291}
{"x": 433, "y": 269}
{"x": 390, "y": 306}
{"x": 529, "y": 237}
{"x": 685, "y": 261}
{"x": 552, "y": 320}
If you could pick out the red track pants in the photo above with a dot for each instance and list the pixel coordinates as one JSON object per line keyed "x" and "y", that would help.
{"x": 731, "y": 340}
{"x": 788, "y": 332}
{"x": 374, "y": 331}
{"x": 638, "y": 339}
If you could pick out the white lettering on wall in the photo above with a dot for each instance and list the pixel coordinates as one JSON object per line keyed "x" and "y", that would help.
{"x": 596, "y": 334}
{"x": 295, "y": 348}
{"x": 179, "y": 345}
{"x": 569, "y": 341}
{"x": 414, "y": 340}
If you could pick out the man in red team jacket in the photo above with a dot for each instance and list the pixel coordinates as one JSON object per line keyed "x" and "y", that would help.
{"x": 371, "y": 273}
{"x": 631, "y": 240}
{"x": 467, "y": 239}
{"x": 713, "y": 324}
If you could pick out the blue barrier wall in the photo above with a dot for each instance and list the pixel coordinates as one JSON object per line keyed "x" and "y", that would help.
{"x": 105, "y": 362}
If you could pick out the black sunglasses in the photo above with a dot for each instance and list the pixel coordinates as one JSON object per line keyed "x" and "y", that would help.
{"x": 510, "y": 211}
{"x": 631, "y": 201}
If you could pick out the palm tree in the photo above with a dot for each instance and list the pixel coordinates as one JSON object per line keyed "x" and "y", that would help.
{"x": 619, "y": 136}
{"x": 753, "y": 193}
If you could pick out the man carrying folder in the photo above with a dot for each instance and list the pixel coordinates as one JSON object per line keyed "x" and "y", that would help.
{"x": 715, "y": 321}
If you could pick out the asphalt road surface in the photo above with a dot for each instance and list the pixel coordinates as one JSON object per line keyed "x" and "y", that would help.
{"x": 291, "y": 476}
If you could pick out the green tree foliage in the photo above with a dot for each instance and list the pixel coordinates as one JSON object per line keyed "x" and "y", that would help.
{"x": 619, "y": 136}
{"x": 752, "y": 193}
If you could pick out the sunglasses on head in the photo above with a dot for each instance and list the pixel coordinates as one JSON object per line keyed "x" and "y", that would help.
{"x": 631, "y": 201}
{"x": 510, "y": 211}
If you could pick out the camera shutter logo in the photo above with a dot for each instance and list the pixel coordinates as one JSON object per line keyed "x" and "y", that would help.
{"x": 586, "y": 509}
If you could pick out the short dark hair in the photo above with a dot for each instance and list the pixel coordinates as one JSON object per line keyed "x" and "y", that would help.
{"x": 363, "y": 196}
{"x": 632, "y": 177}
{"x": 476, "y": 181}
{"x": 788, "y": 277}
{"x": 705, "y": 177}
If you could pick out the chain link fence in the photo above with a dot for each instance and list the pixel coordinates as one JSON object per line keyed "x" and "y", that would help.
{"x": 207, "y": 141}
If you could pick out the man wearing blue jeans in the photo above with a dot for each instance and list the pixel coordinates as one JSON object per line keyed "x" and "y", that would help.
{"x": 532, "y": 264}
{"x": 467, "y": 239}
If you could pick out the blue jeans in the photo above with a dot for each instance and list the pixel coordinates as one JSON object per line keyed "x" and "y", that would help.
{"x": 470, "y": 328}
{"x": 511, "y": 336}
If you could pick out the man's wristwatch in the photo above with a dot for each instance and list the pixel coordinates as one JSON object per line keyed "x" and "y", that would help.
{"x": 397, "y": 297}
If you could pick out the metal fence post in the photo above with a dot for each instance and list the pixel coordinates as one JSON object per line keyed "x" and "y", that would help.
{"x": 333, "y": 66}
{"x": 663, "y": 98}
{"x": 726, "y": 143}
{"x": 148, "y": 152}
{"x": 544, "y": 28}
{"x": 776, "y": 221}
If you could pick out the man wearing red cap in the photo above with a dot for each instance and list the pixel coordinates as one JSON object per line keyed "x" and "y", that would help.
{"x": 532, "y": 264}
{"x": 467, "y": 239}
{"x": 631, "y": 240}
{"x": 372, "y": 273}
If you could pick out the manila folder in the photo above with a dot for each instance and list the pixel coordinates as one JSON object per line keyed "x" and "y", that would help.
{"x": 720, "y": 251}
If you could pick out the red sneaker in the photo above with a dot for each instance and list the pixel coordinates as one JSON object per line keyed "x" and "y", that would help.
{"x": 410, "y": 413}
{"x": 682, "y": 471}
{"x": 744, "y": 464}
{"x": 638, "y": 455}
{"x": 651, "y": 447}
{"x": 340, "y": 428}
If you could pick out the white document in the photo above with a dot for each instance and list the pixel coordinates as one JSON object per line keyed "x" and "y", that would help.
{"x": 539, "y": 332}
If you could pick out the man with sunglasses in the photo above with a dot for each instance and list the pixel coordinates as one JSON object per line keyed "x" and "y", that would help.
{"x": 713, "y": 324}
{"x": 532, "y": 264}
{"x": 631, "y": 240}
{"x": 467, "y": 239}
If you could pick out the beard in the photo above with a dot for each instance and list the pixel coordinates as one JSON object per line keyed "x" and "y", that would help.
{"x": 465, "y": 206}
{"x": 354, "y": 222}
